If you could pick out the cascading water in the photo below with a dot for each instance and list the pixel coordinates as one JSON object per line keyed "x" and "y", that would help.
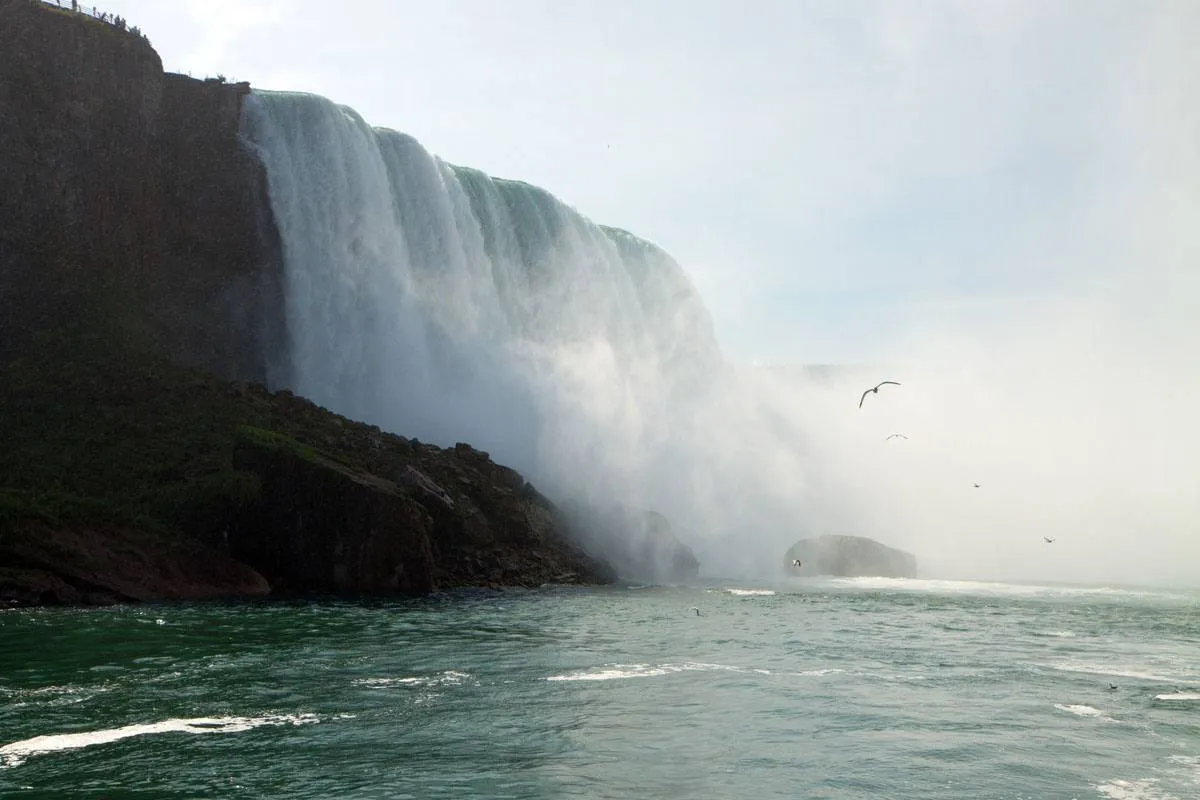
{"x": 437, "y": 302}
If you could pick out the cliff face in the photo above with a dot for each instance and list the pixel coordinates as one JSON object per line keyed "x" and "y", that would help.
{"x": 849, "y": 557}
{"x": 129, "y": 207}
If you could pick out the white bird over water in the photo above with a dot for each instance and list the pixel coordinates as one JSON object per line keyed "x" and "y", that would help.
{"x": 896, "y": 436}
{"x": 875, "y": 389}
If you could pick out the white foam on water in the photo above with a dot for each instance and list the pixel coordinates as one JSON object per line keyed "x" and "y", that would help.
{"x": 447, "y": 678}
{"x": 1080, "y": 710}
{"x": 1178, "y": 696}
{"x": 1144, "y": 789}
{"x": 751, "y": 592}
{"x": 16, "y": 753}
{"x": 938, "y": 586}
{"x": 1119, "y": 671}
{"x": 1056, "y": 634}
{"x": 55, "y": 695}
{"x": 612, "y": 672}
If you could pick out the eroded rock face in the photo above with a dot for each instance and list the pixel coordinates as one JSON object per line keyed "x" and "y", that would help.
{"x": 640, "y": 545}
{"x": 320, "y": 526}
{"x": 414, "y": 519}
{"x": 849, "y": 557}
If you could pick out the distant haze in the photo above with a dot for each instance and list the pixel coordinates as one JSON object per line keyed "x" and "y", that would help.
{"x": 994, "y": 203}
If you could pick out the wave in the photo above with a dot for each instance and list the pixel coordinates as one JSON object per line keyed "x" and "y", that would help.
{"x": 1080, "y": 710}
{"x": 992, "y": 588}
{"x": 612, "y": 672}
{"x": 1178, "y": 696}
{"x": 447, "y": 678}
{"x": 1145, "y": 789}
{"x": 1119, "y": 671}
{"x": 14, "y": 754}
{"x": 751, "y": 592}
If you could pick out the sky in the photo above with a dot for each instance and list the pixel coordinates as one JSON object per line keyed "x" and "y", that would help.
{"x": 994, "y": 198}
{"x": 833, "y": 175}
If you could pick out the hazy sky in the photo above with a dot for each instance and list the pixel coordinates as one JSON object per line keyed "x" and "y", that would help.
{"x": 832, "y": 174}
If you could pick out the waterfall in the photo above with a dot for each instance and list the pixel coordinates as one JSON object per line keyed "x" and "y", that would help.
{"x": 438, "y": 302}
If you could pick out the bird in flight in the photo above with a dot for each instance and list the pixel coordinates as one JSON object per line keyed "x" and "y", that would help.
{"x": 896, "y": 436}
{"x": 875, "y": 389}
{"x": 976, "y": 485}
{"x": 1049, "y": 540}
{"x": 797, "y": 563}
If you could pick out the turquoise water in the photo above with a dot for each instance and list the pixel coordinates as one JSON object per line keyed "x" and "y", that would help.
{"x": 831, "y": 689}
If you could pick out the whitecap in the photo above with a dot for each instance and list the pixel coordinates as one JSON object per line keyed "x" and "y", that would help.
{"x": 447, "y": 678}
{"x": 612, "y": 672}
{"x": 999, "y": 588}
{"x": 1144, "y": 789}
{"x": 1080, "y": 710}
{"x": 14, "y": 754}
{"x": 1118, "y": 671}
{"x": 1055, "y": 634}
{"x": 1178, "y": 696}
{"x": 751, "y": 592}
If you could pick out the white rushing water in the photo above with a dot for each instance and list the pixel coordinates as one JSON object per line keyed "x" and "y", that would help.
{"x": 437, "y": 302}
{"x": 441, "y": 303}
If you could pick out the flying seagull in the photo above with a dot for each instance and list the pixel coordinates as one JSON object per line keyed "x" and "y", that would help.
{"x": 1049, "y": 540}
{"x": 693, "y": 608}
{"x": 896, "y": 436}
{"x": 976, "y": 485}
{"x": 797, "y": 563}
{"x": 875, "y": 390}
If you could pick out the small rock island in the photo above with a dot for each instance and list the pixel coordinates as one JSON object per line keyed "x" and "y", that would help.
{"x": 849, "y": 557}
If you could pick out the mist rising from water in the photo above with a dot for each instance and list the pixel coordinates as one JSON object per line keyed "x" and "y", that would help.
{"x": 439, "y": 303}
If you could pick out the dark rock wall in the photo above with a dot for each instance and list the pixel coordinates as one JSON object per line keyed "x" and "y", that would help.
{"x": 128, "y": 205}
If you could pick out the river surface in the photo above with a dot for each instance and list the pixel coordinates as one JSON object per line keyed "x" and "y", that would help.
{"x": 864, "y": 688}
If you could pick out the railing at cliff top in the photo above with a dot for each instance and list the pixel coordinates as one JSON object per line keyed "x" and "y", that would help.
{"x": 97, "y": 14}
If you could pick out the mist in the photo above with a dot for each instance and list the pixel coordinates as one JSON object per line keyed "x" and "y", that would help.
{"x": 1071, "y": 402}
{"x": 439, "y": 303}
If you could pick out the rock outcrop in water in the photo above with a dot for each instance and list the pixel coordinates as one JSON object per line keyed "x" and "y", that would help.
{"x": 849, "y": 557}
{"x": 641, "y": 545}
